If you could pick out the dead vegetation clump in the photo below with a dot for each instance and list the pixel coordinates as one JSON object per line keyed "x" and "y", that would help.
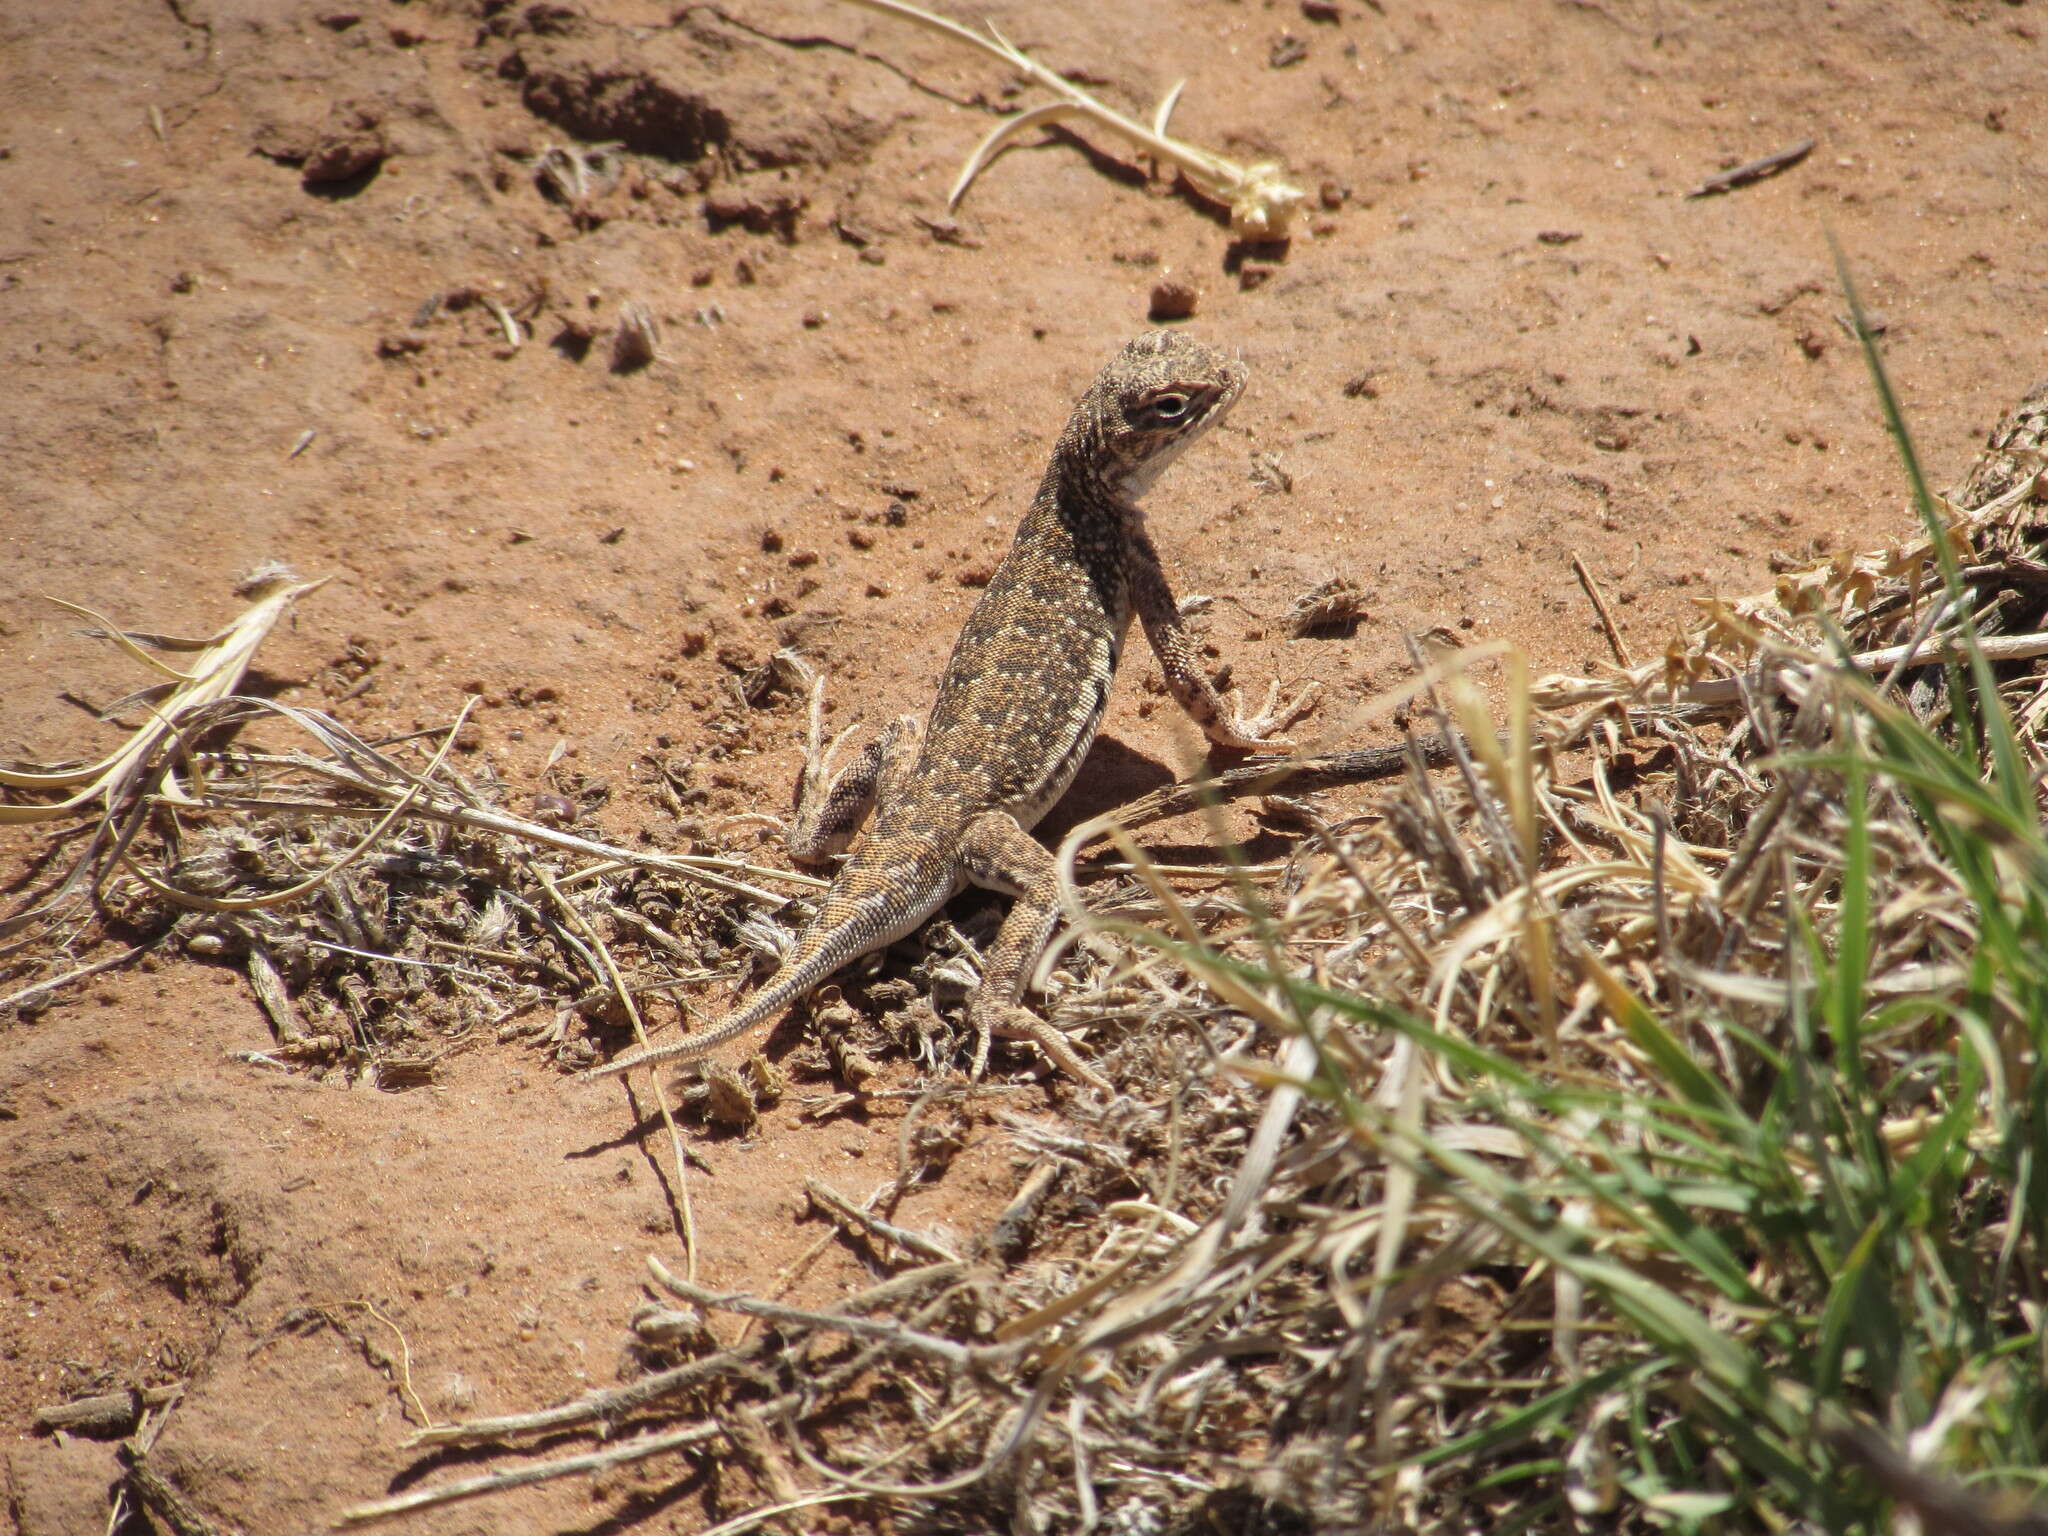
{"x": 385, "y": 914}
{"x": 1651, "y": 1140}
{"x": 1657, "y": 1117}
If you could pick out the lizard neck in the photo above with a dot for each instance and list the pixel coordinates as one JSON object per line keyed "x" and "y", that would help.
{"x": 1098, "y": 520}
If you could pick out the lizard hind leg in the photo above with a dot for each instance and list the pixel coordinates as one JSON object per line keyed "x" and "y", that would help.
{"x": 997, "y": 853}
{"x": 830, "y": 808}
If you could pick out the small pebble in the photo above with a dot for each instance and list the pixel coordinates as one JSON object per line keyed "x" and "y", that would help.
{"x": 1173, "y": 301}
{"x": 1288, "y": 50}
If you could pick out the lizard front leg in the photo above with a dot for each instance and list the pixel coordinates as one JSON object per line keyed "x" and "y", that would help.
{"x": 1180, "y": 662}
{"x": 997, "y": 853}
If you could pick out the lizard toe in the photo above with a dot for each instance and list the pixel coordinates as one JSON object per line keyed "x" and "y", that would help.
{"x": 1011, "y": 1021}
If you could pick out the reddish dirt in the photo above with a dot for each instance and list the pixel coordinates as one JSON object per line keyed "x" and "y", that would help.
{"x": 1508, "y": 339}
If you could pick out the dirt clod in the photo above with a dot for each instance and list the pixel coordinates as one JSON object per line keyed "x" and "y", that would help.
{"x": 1173, "y": 300}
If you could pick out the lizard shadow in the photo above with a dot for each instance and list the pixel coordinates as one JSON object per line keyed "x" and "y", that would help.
{"x": 1116, "y": 168}
{"x": 1113, "y": 775}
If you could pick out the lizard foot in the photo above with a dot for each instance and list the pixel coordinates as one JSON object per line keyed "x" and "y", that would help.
{"x": 1017, "y": 1023}
{"x": 1248, "y": 733}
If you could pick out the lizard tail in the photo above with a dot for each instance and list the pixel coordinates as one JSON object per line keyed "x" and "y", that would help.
{"x": 843, "y": 932}
{"x": 780, "y": 990}
{"x": 853, "y": 921}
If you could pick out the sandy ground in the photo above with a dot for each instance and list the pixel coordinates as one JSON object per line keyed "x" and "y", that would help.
{"x": 1503, "y": 336}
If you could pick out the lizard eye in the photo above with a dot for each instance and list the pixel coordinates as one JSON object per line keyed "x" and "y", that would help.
{"x": 1169, "y": 407}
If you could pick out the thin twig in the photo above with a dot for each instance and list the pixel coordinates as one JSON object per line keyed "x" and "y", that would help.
{"x": 1613, "y": 632}
{"x": 538, "y": 1472}
{"x": 1754, "y": 170}
{"x": 625, "y": 997}
{"x": 915, "y": 1242}
{"x": 57, "y": 983}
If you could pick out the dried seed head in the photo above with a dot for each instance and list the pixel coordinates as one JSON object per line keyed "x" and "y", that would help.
{"x": 637, "y": 341}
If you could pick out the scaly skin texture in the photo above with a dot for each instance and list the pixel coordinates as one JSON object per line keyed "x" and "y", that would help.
{"x": 1018, "y": 706}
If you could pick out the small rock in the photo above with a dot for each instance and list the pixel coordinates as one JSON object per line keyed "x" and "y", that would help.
{"x": 346, "y": 157}
{"x": 762, "y": 210}
{"x": 1173, "y": 300}
{"x": 1558, "y": 236}
{"x": 1288, "y": 50}
{"x": 1324, "y": 11}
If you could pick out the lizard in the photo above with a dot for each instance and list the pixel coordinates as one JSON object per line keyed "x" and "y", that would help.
{"x": 954, "y": 799}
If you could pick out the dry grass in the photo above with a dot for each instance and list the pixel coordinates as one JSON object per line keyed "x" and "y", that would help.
{"x": 1657, "y": 1127}
{"x": 1640, "y": 1149}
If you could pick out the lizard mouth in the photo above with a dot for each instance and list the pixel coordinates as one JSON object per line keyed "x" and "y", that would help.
{"x": 1235, "y": 376}
{"x": 1219, "y": 398}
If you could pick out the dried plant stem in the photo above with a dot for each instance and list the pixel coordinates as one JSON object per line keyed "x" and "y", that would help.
{"x": 215, "y": 673}
{"x": 1261, "y": 201}
{"x": 539, "y": 1472}
{"x": 477, "y": 819}
{"x": 1780, "y": 671}
{"x": 58, "y": 983}
{"x": 625, "y": 997}
{"x": 761, "y": 1516}
{"x": 1607, "y": 625}
{"x": 113, "y": 782}
{"x": 402, "y": 803}
{"x": 404, "y": 1373}
{"x": 844, "y": 1209}
{"x": 910, "y": 1341}
{"x": 598, "y": 1407}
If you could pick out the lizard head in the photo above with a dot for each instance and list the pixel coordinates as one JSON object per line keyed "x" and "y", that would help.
{"x": 1159, "y": 394}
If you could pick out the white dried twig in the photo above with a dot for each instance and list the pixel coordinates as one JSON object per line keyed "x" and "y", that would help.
{"x": 1260, "y": 198}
